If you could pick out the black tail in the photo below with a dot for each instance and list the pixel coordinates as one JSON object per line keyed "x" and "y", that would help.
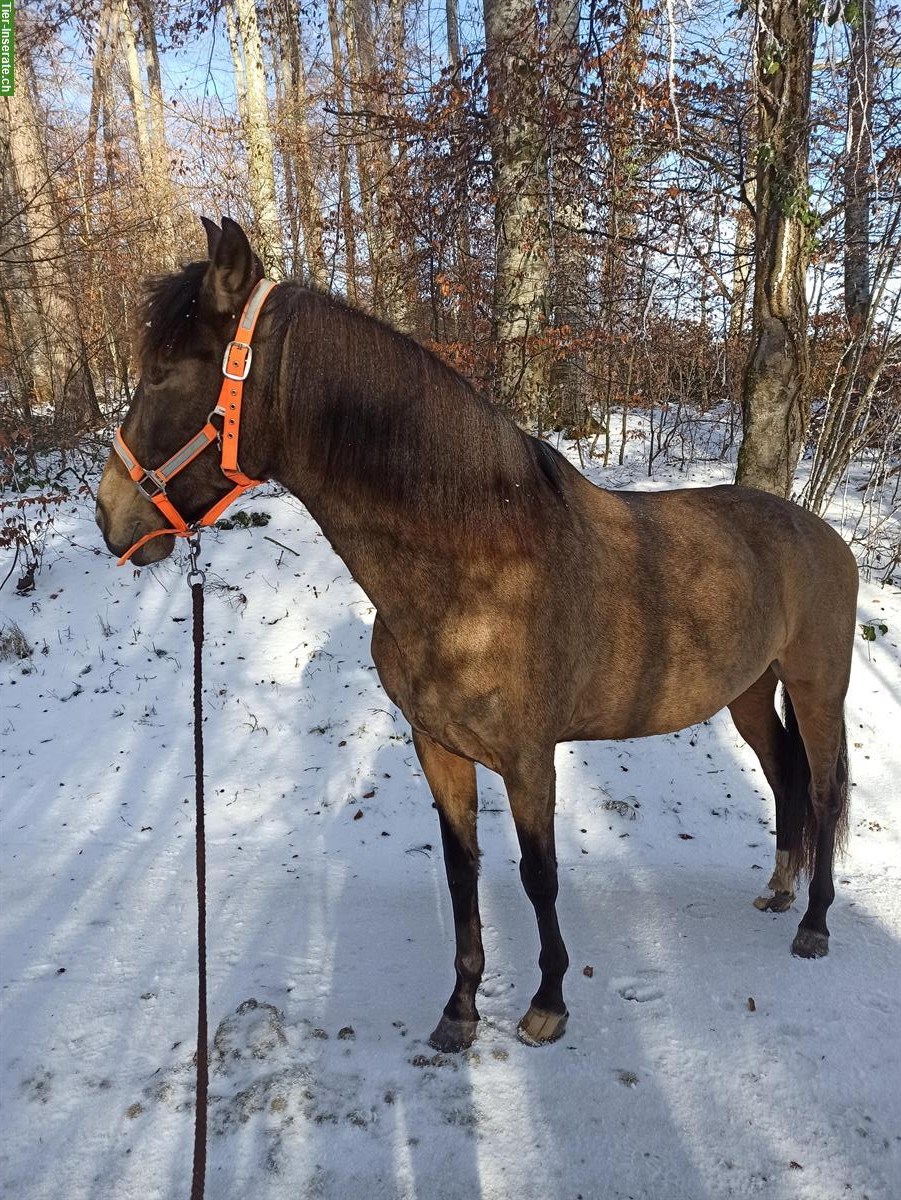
{"x": 798, "y": 826}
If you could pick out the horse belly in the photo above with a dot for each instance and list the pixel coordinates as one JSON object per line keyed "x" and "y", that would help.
{"x": 680, "y": 678}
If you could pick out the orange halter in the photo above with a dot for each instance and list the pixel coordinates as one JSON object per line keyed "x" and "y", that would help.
{"x": 152, "y": 484}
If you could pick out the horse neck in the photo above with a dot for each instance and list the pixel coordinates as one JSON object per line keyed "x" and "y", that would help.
{"x": 353, "y": 404}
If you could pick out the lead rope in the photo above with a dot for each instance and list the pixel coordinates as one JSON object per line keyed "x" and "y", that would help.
{"x": 196, "y": 580}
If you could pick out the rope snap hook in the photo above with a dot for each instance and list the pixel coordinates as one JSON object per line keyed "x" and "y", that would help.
{"x": 195, "y": 575}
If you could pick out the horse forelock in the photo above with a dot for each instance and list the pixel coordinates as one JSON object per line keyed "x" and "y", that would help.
{"x": 168, "y": 312}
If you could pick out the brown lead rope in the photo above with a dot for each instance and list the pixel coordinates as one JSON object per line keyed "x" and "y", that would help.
{"x": 196, "y": 580}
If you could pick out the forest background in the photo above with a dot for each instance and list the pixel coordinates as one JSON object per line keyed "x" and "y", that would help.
{"x": 591, "y": 209}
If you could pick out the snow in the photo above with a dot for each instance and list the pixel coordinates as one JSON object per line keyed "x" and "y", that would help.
{"x": 701, "y": 1060}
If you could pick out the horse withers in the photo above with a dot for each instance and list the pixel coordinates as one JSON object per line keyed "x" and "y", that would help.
{"x": 518, "y": 605}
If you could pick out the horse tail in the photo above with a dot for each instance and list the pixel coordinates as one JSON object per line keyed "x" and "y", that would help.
{"x": 799, "y": 823}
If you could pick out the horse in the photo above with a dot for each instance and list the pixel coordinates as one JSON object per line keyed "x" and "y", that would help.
{"x": 517, "y": 604}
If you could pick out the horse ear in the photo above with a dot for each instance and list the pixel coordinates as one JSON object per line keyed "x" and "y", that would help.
{"x": 213, "y": 235}
{"x": 233, "y": 268}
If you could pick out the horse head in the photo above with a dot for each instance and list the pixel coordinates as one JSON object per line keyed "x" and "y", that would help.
{"x": 188, "y": 320}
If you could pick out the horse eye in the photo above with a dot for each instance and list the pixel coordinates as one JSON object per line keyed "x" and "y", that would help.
{"x": 155, "y": 375}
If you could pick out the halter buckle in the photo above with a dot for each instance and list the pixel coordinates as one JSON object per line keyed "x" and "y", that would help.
{"x": 228, "y": 349}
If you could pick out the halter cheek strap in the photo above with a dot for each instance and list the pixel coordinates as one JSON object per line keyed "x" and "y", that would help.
{"x": 152, "y": 483}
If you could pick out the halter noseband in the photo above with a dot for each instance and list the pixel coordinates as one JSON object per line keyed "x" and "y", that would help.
{"x": 152, "y": 484}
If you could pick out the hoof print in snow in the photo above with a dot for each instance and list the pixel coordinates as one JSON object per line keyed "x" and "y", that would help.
{"x": 346, "y": 1034}
{"x": 641, "y": 988}
{"x": 432, "y": 1060}
{"x": 37, "y": 1088}
{"x": 254, "y": 1030}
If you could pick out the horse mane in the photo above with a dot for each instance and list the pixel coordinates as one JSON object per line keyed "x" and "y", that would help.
{"x": 374, "y": 412}
{"x": 167, "y": 313}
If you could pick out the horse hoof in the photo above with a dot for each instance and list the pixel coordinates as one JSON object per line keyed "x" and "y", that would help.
{"x": 450, "y": 1036}
{"x": 538, "y": 1028}
{"x": 810, "y": 943}
{"x": 778, "y": 902}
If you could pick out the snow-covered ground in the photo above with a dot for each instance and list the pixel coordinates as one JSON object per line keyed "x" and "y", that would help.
{"x": 701, "y": 1061}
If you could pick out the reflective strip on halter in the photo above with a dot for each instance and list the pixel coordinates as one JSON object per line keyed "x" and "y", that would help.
{"x": 254, "y": 304}
{"x": 187, "y": 453}
{"x": 131, "y": 463}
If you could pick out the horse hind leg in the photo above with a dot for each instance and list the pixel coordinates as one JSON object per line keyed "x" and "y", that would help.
{"x": 822, "y": 727}
{"x": 784, "y": 765}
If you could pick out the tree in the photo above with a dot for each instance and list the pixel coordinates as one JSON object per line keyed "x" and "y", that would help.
{"x": 775, "y": 401}
{"x": 858, "y": 165}
{"x": 375, "y": 167}
{"x": 519, "y": 159}
{"x": 250, "y": 79}
{"x": 60, "y": 364}
{"x": 569, "y": 276}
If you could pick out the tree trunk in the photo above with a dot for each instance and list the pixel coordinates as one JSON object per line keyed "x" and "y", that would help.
{"x": 519, "y": 157}
{"x": 346, "y": 220}
{"x": 161, "y": 195}
{"x": 380, "y": 213}
{"x": 106, "y": 33}
{"x": 570, "y": 261}
{"x": 62, "y": 376}
{"x": 234, "y": 45}
{"x": 451, "y": 9}
{"x": 462, "y": 310}
{"x": 250, "y": 69}
{"x": 741, "y": 269}
{"x": 624, "y": 160}
{"x": 297, "y": 136}
{"x": 775, "y": 403}
{"x": 22, "y": 343}
{"x": 135, "y": 88}
{"x": 858, "y": 167}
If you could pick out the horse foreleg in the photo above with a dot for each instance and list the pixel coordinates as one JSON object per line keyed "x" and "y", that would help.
{"x": 453, "y": 783}
{"x": 532, "y": 797}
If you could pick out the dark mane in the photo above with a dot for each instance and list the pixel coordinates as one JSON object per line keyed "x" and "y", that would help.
{"x": 168, "y": 312}
{"x": 376, "y": 413}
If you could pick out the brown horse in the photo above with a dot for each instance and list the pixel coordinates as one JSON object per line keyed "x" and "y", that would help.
{"x": 518, "y": 605}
